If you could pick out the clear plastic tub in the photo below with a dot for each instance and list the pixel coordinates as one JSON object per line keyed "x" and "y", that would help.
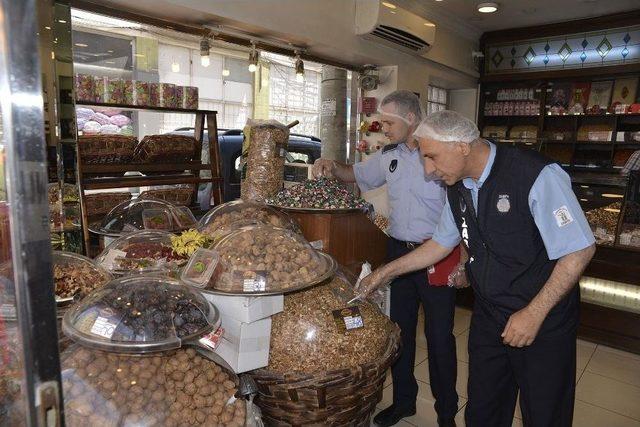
{"x": 157, "y": 219}
{"x": 200, "y": 271}
{"x": 75, "y": 276}
{"x": 141, "y": 314}
{"x": 183, "y": 217}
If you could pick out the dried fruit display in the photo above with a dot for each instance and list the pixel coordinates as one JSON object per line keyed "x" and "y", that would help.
{"x": 320, "y": 193}
{"x": 264, "y": 153}
{"x": 603, "y": 222}
{"x": 179, "y": 388}
{"x": 306, "y": 338}
{"x": 75, "y": 275}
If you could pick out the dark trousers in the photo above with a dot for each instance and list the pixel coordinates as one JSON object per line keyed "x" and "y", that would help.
{"x": 544, "y": 372}
{"x": 407, "y": 292}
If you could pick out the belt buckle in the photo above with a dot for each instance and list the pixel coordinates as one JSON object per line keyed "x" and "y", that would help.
{"x": 410, "y": 245}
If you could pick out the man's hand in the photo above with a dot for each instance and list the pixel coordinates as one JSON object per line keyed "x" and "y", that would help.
{"x": 458, "y": 277}
{"x": 323, "y": 168}
{"x": 522, "y": 328}
{"x": 370, "y": 283}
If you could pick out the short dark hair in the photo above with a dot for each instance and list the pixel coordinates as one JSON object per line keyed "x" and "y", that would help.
{"x": 406, "y": 102}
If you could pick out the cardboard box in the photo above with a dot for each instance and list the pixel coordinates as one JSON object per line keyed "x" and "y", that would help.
{"x": 247, "y": 309}
{"x": 245, "y": 346}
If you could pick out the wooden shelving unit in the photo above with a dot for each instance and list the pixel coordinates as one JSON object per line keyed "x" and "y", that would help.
{"x": 163, "y": 173}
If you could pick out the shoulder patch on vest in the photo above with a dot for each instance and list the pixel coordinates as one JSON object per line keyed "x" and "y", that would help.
{"x": 389, "y": 147}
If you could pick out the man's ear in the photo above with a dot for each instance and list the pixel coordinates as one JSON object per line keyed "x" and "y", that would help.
{"x": 411, "y": 118}
{"x": 463, "y": 148}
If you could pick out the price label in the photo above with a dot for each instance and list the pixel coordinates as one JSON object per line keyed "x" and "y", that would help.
{"x": 211, "y": 341}
{"x": 252, "y": 281}
{"x": 348, "y": 318}
{"x": 103, "y": 327}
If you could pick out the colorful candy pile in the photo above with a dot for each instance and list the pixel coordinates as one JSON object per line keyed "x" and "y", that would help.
{"x": 320, "y": 193}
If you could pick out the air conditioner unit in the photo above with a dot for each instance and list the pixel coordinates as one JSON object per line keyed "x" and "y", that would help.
{"x": 384, "y": 22}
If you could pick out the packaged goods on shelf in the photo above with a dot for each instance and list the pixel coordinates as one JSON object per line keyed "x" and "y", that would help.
{"x": 100, "y": 149}
{"x": 595, "y": 133}
{"x": 136, "y": 93}
{"x": 190, "y": 97}
{"x": 523, "y": 132}
{"x": 226, "y": 217}
{"x": 263, "y": 154}
{"x": 494, "y": 132}
{"x": 322, "y": 193}
{"x": 163, "y": 95}
{"x": 166, "y": 149}
{"x": 85, "y": 88}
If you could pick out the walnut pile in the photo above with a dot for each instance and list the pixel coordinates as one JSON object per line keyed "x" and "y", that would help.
{"x": 173, "y": 389}
{"x": 305, "y": 337}
{"x": 260, "y": 214}
{"x": 77, "y": 279}
{"x": 286, "y": 260}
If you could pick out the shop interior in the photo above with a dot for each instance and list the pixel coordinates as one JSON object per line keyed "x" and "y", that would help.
{"x": 143, "y": 181}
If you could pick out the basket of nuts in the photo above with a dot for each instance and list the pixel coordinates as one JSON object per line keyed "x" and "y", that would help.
{"x": 328, "y": 359}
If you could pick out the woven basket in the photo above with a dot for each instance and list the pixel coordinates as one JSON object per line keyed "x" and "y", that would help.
{"x": 180, "y": 196}
{"x": 340, "y": 398}
{"x": 102, "y": 203}
{"x": 101, "y": 149}
{"x": 166, "y": 149}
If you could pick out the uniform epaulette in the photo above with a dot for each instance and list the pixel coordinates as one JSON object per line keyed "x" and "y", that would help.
{"x": 389, "y": 147}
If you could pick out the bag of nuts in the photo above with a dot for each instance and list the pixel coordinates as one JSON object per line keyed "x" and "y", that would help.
{"x": 263, "y": 155}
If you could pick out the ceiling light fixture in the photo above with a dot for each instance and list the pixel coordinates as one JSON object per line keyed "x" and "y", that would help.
{"x": 299, "y": 68}
{"x": 389, "y": 5}
{"x": 82, "y": 45}
{"x": 612, "y": 196}
{"x": 226, "y": 72}
{"x": 62, "y": 21}
{"x": 205, "y": 59}
{"x": 175, "y": 67}
{"x": 253, "y": 59}
{"x": 487, "y": 7}
{"x": 429, "y": 24}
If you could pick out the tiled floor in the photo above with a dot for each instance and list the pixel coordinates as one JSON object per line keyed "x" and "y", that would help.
{"x": 608, "y": 384}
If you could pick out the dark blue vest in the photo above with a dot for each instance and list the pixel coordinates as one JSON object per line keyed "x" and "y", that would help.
{"x": 508, "y": 262}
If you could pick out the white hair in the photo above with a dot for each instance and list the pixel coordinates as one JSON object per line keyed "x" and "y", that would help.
{"x": 447, "y": 126}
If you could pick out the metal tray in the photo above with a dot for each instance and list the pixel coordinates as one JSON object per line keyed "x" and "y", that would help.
{"x": 332, "y": 267}
{"x": 319, "y": 210}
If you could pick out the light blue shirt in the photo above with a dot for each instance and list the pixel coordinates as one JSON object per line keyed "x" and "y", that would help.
{"x": 415, "y": 202}
{"x": 550, "y": 192}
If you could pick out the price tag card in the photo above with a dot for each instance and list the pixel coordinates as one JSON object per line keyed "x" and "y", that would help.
{"x": 317, "y": 245}
{"x": 348, "y": 318}
{"x": 210, "y": 341}
{"x": 103, "y": 327}
{"x": 252, "y": 281}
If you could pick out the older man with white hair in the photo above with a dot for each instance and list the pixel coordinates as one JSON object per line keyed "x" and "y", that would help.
{"x": 528, "y": 244}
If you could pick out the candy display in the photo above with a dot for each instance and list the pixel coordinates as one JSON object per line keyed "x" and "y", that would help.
{"x": 154, "y": 95}
{"x": 603, "y": 222}
{"x": 263, "y": 152}
{"x": 100, "y": 87}
{"x": 320, "y": 193}
{"x": 266, "y": 259}
{"x": 140, "y": 314}
{"x": 179, "y": 388}
{"x": 230, "y": 215}
{"x": 163, "y": 95}
{"x": 136, "y": 92}
{"x": 85, "y": 88}
{"x": 75, "y": 275}
{"x": 329, "y": 346}
{"x": 166, "y": 149}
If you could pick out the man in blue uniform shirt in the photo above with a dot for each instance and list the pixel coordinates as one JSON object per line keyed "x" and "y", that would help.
{"x": 416, "y": 204}
{"x": 528, "y": 243}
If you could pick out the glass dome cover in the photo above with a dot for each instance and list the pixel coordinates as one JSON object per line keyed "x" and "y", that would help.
{"x": 140, "y": 252}
{"x": 238, "y": 213}
{"x": 75, "y": 276}
{"x": 319, "y": 330}
{"x": 263, "y": 260}
{"x": 140, "y": 314}
{"x": 139, "y": 214}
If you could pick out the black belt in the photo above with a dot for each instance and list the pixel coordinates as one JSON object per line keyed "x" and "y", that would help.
{"x": 409, "y": 245}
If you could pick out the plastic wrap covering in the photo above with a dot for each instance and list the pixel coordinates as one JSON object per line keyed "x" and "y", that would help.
{"x": 166, "y": 149}
{"x": 136, "y": 93}
{"x": 140, "y": 314}
{"x": 75, "y": 275}
{"x": 263, "y": 152}
{"x": 106, "y": 148}
{"x": 228, "y": 216}
{"x": 260, "y": 259}
{"x": 141, "y": 252}
{"x": 190, "y": 97}
{"x": 85, "y": 88}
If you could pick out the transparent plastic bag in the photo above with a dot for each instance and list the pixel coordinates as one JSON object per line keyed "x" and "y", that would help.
{"x": 263, "y": 154}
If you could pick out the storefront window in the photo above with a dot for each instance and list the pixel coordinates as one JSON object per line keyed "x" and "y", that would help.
{"x": 437, "y": 99}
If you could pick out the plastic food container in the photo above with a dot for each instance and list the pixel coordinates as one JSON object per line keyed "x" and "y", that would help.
{"x": 130, "y": 216}
{"x": 266, "y": 260}
{"x": 75, "y": 276}
{"x": 139, "y": 253}
{"x": 183, "y": 217}
{"x": 200, "y": 270}
{"x": 228, "y": 216}
{"x": 141, "y": 314}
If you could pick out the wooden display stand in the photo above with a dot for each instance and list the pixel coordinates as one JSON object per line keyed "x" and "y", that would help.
{"x": 351, "y": 238}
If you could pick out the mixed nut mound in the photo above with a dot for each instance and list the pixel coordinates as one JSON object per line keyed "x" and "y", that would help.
{"x": 306, "y": 339}
{"x": 179, "y": 388}
{"x": 285, "y": 260}
{"x": 77, "y": 279}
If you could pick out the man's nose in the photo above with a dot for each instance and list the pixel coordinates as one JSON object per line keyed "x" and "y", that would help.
{"x": 429, "y": 167}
